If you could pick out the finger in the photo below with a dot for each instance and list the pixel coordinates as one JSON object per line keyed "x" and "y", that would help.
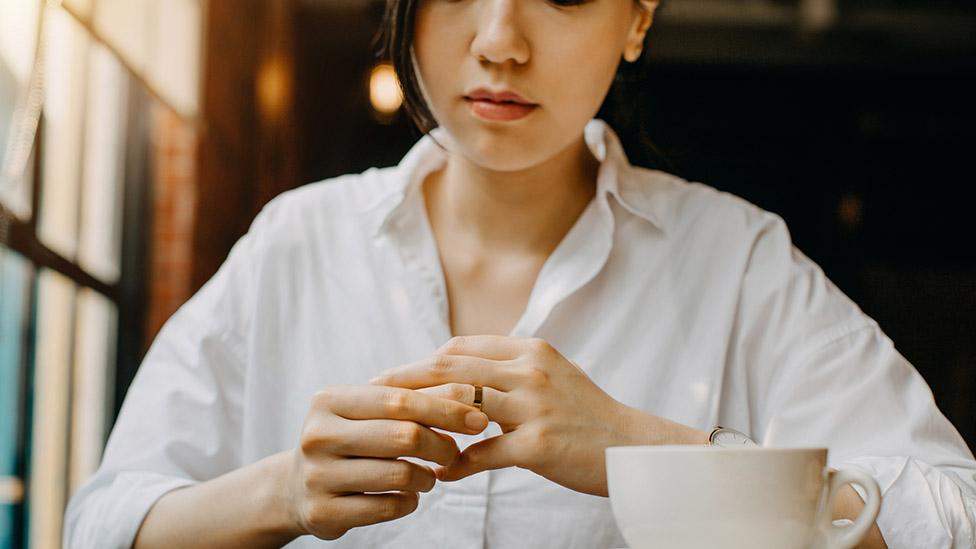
{"x": 494, "y": 347}
{"x": 441, "y": 369}
{"x": 381, "y": 475}
{"x": 374, "y": 402}
{"x": 496, "y": 452}
{"x": 497, "y": 405}
{"x": 458, "y": 392}
{"x": 366, "y": 509}
{"x": 390, "y": 438}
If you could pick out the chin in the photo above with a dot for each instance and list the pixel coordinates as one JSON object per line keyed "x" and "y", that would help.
{"x": 502, "y": 151}
{"x": 507, "y": 163}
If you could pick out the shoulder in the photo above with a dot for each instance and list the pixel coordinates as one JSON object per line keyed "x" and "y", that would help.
{"x": 342, "y": 196}
{"x": 695, "y": 210}
{"x": 329, "y": 208}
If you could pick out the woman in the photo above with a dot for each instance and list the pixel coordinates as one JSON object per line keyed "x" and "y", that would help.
{"x": 596, "y": 303}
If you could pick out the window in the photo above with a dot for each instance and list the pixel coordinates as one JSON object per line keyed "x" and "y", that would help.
{"x": 81, "y": 116}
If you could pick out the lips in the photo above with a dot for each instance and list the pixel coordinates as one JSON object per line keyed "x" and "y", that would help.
{"x": 502, "y": 96}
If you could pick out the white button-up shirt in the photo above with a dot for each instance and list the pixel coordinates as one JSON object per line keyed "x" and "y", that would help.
{"x": 675, "y": 298}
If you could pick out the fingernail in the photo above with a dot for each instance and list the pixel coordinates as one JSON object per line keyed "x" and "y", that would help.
{"x": 374, "y": 381}
{"x": 476, "y": 420}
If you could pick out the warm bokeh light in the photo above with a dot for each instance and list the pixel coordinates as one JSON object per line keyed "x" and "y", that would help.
{"x": 11, "y": 490}
{"x": 384, "y": 89}
{"x": 850, "y": 211}
{"x": 274, "y": 87}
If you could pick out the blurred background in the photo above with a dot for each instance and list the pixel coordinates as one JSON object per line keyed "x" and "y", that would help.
{"x": 138, "y": 138}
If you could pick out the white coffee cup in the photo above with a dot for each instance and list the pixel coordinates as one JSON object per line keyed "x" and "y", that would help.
{"x": 679, "y": 497}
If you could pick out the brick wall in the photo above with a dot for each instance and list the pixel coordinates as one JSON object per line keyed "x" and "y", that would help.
{"x": 174, "y": 150}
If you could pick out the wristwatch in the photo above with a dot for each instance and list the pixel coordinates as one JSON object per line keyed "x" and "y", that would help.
{"x": 723, "y": 437}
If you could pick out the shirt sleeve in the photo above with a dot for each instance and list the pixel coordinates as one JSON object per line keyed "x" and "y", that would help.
{"x": 827, "y": 376}
{"x": 181, "y": 419}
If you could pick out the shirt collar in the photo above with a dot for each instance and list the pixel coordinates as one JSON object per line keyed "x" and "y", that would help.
{"x": 616, "y": 177}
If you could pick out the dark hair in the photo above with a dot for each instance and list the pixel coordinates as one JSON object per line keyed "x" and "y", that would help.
{"x": 624, "y": 108}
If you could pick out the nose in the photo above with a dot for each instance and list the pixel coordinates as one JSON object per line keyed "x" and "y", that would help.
{"x": 499, "y": 33}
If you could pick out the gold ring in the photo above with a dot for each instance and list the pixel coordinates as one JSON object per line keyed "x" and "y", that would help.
{"x": 478, "y": 392}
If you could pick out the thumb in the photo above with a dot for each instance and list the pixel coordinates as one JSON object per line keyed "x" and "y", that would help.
{"x": 496, "y": 452}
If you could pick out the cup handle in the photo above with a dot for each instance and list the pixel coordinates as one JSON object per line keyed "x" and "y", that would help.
{"x": 846, "y": 537}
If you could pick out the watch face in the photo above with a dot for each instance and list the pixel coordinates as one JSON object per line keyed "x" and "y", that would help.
{"x": 727, "y": 438}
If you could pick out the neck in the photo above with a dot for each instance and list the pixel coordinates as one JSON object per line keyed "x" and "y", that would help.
{"x": 527, "y": 212}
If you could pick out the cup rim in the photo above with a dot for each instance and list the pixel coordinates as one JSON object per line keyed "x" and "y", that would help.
{"x": 691, "y": 448}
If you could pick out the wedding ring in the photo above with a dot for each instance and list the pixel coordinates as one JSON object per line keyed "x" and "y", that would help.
{"x": 478, "y": 391}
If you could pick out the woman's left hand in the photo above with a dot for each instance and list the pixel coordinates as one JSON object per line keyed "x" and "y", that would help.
{"x": 555, "y": 421}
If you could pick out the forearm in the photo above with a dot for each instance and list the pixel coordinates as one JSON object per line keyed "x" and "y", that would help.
{"x": 246, "y": 507}
{"x": 848, "y": 505}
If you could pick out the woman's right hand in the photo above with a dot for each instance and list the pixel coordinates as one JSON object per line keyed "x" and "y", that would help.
{"x": 350, "y": 445}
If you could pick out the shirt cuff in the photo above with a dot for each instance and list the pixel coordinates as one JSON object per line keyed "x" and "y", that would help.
{"x": 110, "y": 515}
{"x": 921, "y": 506}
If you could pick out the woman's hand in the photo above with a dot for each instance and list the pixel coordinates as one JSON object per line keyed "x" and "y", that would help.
{"x": 349, "y": 447}
{"x": 555, "y": 420}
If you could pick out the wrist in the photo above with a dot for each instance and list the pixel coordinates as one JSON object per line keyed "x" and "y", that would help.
{"x": 280, "y": 499}
{"x": 650, "y": 430}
